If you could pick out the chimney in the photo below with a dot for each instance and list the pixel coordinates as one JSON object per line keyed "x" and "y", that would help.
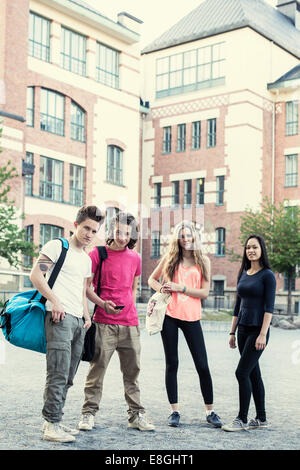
{"x": 129, "y": 21}
{"x": 291, "y": 9}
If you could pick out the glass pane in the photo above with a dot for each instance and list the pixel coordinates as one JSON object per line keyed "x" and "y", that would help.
{"x": 176, "y": 62}
{"x": 175, "y": 79}
{"x": 204, "y": 73}
{"x": 190, "y": 58}
{"x": 162, "y": 65}
{"x": 189, "y": 76}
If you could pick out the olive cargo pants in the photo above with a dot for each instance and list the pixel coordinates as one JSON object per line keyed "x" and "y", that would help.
{"x": 65, "y": 341}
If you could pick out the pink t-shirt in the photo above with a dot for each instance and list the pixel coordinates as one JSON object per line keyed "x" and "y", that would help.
{"x": 117, "y": 276}
{"x": 183, "y": 306}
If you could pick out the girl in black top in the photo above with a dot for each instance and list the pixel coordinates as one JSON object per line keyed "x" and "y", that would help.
{"x": 256, "y": 290}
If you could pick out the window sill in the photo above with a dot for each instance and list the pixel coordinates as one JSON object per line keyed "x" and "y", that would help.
{"x": 115, "y": 184}
{"x": 52, "y": 200}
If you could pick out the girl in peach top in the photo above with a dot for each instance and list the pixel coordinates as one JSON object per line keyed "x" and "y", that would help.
{"x": 185, "y": 274}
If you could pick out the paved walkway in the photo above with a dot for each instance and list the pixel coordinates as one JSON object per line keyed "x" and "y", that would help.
{"x": 22, "y": 377}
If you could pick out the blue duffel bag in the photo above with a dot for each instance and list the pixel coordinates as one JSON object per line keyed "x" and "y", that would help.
{"x": 22, "y": 319}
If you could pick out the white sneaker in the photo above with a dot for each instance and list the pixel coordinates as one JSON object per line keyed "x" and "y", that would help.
{"x": 142, "y": 423}
{"x": 87, "y": 422}
{"x": 54, "y": 432}
{"x": 65, "y": 428}
{"x": 236, "y": 425}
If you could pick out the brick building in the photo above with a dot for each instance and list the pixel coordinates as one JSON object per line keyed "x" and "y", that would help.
{"x": 222, "y": 129}
{"x": 69, "y": 106}
{"x": 206, "y": 128}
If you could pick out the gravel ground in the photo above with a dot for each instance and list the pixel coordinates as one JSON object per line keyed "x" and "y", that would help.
{"x": 22, "y": 377}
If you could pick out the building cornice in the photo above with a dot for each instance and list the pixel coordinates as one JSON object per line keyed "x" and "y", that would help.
{"x": 93, "y": 18}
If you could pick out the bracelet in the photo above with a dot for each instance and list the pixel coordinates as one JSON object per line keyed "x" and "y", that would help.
{"x": 184, "y": 289}
{"x": 161, "y": 289}
{"x": 232, "y": 334}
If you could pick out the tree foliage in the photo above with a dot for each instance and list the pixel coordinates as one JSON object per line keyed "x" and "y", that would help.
{"x": 12, "y": 238}
{"x": 279, "y": 225}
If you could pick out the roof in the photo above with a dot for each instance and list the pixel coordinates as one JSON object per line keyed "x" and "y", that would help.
{"x": 289, "y": 79}
{"x": 219, "y": 16}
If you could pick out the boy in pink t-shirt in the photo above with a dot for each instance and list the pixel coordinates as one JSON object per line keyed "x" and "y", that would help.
{"x": 116, "y": 328}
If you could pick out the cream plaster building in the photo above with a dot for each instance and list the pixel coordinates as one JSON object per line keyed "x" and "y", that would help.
{"x": 211, "y": 136}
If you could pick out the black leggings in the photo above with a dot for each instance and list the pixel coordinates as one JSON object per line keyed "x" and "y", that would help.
{"x": 194, "y": 338}
{"x": 248, "y": 373}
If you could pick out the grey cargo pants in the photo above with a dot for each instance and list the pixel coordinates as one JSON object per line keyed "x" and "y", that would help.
{"x": 65, "y": 342}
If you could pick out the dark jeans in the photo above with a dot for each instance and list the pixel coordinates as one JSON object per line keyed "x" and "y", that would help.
{"x": 194, "y": 338}
{"x": 248, "y": 373}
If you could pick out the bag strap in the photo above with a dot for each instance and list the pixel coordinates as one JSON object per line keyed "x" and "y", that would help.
{"x": 102, "y": 256}
{"x": 56, "y": 269}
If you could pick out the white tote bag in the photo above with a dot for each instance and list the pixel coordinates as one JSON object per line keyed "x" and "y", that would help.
{"x": 156, "y": 310}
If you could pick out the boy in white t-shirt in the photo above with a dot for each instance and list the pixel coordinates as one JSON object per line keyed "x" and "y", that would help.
{"x": 67, "y": 317}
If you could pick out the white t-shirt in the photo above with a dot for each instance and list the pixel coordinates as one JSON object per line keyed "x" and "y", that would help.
{"x": 69, "y": 283}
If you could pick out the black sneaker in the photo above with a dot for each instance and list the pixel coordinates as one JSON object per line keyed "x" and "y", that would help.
{"x": 214, "y": 419}
{"x": 174, "y": 419}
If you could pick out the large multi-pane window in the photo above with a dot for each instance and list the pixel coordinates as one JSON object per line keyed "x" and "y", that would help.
{"x": 51, "y": 179}
{"x": 77, "y": 122}
{"x": 52, "y": 112}
{"x": 175, "y": 193}
{"x": 157, "y": 195}
{"x": 155, "y": 248}
{"x": 291, "y": 117}
{"x": 190, "y": 70}
{"x": 73, "y": 51}
{"x": 48, "y": 232}
{"x": 187, "y": 194}
{"x": 76, "y": 185}
{"x": 39, "y": 37}
{"x": 28, "y": 178}
{"x": 30, "y": 106}
{"x": 181, "y": 131}
{"x": 196, "y": 135}
{"x": 220, "y": 190}
{"x": 291, "y": 170}
{"x": 200, "y": 190}
{"x": 220, "y": 241}
{"x": 107, "y": 68}
{"x": 114, "y": 170}
{"x": 167, "y": 139}
{"x": 211, "y": 132}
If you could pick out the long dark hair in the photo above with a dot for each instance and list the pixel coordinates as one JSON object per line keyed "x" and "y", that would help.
{"x": 263, "y": 261}
{"x": 126, "y": 219}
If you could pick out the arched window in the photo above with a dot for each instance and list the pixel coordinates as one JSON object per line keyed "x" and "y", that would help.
{"x": 110, "y": 213}
{"x": 48, "y": 232}
{"x": 52, "y": 112}
{"x": 114, "y": 169}
{"x": 77, "y": 122}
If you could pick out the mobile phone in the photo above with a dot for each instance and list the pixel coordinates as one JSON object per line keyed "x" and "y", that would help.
{"x": 119, "y": 307}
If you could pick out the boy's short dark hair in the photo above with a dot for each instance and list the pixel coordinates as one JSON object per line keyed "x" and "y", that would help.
{"x": 90, "y": 212}
{"x": 125, "y": 219}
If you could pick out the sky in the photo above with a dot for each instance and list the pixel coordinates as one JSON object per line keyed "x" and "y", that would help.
{"x": 157, "y": 15}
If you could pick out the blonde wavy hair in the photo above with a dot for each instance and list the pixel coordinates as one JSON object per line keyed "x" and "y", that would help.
{"x": 174, "y": 252}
